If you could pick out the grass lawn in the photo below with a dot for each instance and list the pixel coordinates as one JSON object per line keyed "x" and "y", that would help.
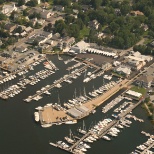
{"x": 84, "y": 32}
{"x": 139, "y": 89}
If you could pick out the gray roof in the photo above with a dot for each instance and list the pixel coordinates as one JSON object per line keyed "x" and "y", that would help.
{"x": 82, "y": 108}
{"x": 74, "y": 112}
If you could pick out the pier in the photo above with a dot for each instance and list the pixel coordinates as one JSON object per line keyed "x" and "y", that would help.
{"x": 80, "y": 140}
{"x": 115, "y": 122}
{"x": 59, "y": 81}
{"x": 146, "y": 150}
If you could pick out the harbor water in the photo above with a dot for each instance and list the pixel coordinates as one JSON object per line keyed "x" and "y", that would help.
{"x": 20, "y": 134}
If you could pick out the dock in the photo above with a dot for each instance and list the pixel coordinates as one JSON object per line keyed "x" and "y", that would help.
{"x": 59, "y": 81}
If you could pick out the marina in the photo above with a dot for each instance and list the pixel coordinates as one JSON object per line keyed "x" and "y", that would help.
{"x": 56, "y": 97}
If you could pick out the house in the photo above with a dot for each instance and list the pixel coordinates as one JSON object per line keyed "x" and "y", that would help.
{"x": 8, "y": 9}
{"x": 40, "y": 40}
{"x": 23, "y": 34}
{"x": 45, "y": 14}
{"x": 60, "y": 45}
{"x": 94, "y": 24}
{"x": 50, "y": 42}
{"x": 123, "y": 70}
{"x": 137, "y": 13}
{"x": 137, "y": 60}
{"x": 68, "y": 41}
{"x": 117, "y": 11}
{"x": 45, "y": 5}
{"x": 38, "y": 1}
{"x": 145, "y": 81}
{"x": 136, "y": 64}
{"x": 47, "y": 35}
{"x": 10, "y": 27}
{"x": 59, "y": 8}
{"x": 75, "y": 11}
{"x": 21, "y": 49}
{"x": 56, "y": 37}
{"x": 144, "y": 26}
{"x": 28, "y": 29}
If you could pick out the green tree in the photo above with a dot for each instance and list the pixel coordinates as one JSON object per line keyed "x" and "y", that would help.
{"x": 32, "y": 3}
{"x": 21, "y": 2}
{"x": 96, "y": 3}
{"x": 2, "y": 16}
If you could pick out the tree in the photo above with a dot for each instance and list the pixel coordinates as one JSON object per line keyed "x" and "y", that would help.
{"x": 96, "y": 3}
{"x": 2, "y": 16}
{"x": 21, "y": 2}
{"x": 32, "y": 3}
{"x": 48, "y": 28}
{"x": 59, "y": 26}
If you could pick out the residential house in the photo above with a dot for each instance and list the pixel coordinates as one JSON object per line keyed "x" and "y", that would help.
{"x": 145, "y": 81}
{"x": 68, "y": 41}
{"x": 56, "y": 37}
{"x": 45, "y": 5}
{"x": 45, "y": 14}
{"x": 8, "y": 9}
{"x": 144, "y": 26}
{"x": 47, "y": 35}
{"x": 137, "y": 13}
{"x": 50, "y": 42}
{"x": 10, "y": 27}
{"x": 94, "y": 24}
{"x": 28, "y": 29}
{"x": 60, "y": 45}
{"x": 117, "y": 11}
{"x": 59, "y": 8}
{"x": 123, "y": 70}
{"x": 38, "y": 1}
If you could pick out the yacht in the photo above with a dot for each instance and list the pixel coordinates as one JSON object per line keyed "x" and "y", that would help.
{"x": 69, "y": 140}
{"x": 36, "y": 114}
{"x": 71, "y": 122}
{"x": 106, "y": 138}
{"x": 46, "y": 125}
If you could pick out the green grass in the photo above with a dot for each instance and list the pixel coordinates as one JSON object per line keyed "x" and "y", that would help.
{"x": 139, "y": 90}
{"x": 84, "y": 32}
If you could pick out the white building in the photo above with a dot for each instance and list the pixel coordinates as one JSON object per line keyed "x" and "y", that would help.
{"x": 8, "y": 9}
{"x": 123, "y": 70}
{"x": 80, "y": 47}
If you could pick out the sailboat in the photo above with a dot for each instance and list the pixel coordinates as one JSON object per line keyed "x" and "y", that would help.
{"x": 83, "y": 130}
{"x": 69, "y": 139}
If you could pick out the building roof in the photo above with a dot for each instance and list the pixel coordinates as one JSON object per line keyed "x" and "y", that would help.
{"x": 134, "y": 93}
{"x": 146, "y": 78}
{"x": 74, "y": 112}
{"x": 124, "y": 69}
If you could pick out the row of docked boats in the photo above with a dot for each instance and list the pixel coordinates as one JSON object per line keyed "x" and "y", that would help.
{"x": 68, "y": 61}
{"x": 75, "y": 66}
{"x": 10, "y": 92}
{"x": 102, "y": 89}
{"x": 108, "y": 77}
{"x": 145, "y": 147}
{"x": 8, "y": 78}
{"x": 112, "y": 104}
{"x": 122, "y": 107}
{"x": 91, "y": 76}
{"x": 75, "y": 102}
